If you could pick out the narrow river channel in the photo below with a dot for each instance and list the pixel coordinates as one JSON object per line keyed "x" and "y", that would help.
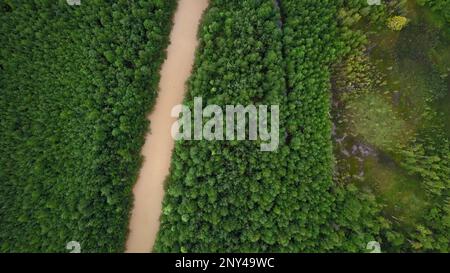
{"x": 148, "y": 191}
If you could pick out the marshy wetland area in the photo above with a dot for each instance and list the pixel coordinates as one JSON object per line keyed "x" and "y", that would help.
{"x": 391, "y": 124}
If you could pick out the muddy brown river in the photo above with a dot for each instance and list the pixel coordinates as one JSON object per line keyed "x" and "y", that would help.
{"x": 148, "y": 191}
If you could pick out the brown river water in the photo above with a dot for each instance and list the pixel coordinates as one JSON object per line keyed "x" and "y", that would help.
{"x": 157, "y": 151}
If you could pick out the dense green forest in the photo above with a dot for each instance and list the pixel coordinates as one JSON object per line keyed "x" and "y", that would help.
{"x": 76, "y": 84}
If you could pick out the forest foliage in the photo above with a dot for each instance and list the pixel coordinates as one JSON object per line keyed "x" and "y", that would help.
{"x": 76, "y": 84}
